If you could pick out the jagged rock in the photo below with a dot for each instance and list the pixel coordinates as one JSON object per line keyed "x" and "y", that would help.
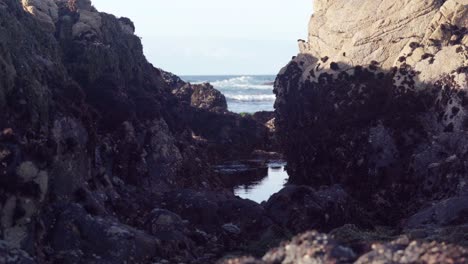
{"x": 127, "y": 25}
{"x": 164, "y": 220}
{"x": 231, "y": 228}
{"x": 91, "y": 137}
{"x": 307, "y": 248}
{"x": 88, "y": 25}
{"x": 301, "y": 208}
{"x": 202, "y": 96}
{"x": 313, "y": 247}
{"x": 344, "y": 115}
{"x": 45, "y": 11}
{"x": 77, "y": 236}
{"x": 451, "y": 211}
{"x": 12, "y": 255}
{"x": 405, "y": 251}
{"x": 174, "y": 81}
{"x": 357, "y": 32}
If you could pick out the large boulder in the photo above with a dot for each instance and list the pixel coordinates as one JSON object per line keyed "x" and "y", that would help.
{"x": 75, "y": 235}
{"x": 448, "y": 212}
{"x": 358, "y": 32}
{"x": 203, "y": 96}
{"x": 378, "y": 103}
{"x": 88, "y": 123}
{"x": 301, "y": 208}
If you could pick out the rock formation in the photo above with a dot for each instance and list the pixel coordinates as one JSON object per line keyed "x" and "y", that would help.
{"x": 106, "y": 159}
{"x": 202, "y": 96}
{"x": 376, "y": 101}
{"x": 94, "y": 146}
{"x": 313, "y": 247}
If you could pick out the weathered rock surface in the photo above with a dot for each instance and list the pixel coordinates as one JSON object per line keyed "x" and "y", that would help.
{"x": 92, "y": 140}
{"x": 452, "y": 211}
{"x": 202, "y": 96}
{"x": 405, "y": 251}
{"x": 13, "y": 255}
{"x": 174, "y": 81}
{"x": 358, "y": 32}
{"x": 106, "y": 159}
{"x": 301, "y": 208}
{"x": 313, "y": 247}
{"x": 377, "y": 103}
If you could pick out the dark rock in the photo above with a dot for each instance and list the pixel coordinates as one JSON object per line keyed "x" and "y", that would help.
{"x": 405, "y": 251}
{"x": 307, "y": 248}
{"x": 206, "y": 97}
{"x": 232, "y": 229}
{"x": 172, "y": 80}
{"x": 301, "y": 208}
{"x": 92, "y": 137}
{"x": 382, "y": 143}
{"x": 11, "y": 255}
{"x": 452, "y": 211}
{"x": 311, "y": 247}
{"x": 164, "y": 220}
{"x": 77, "y": 236}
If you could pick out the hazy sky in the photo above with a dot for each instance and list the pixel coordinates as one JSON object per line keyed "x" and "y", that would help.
{"x": 195, "y": 37}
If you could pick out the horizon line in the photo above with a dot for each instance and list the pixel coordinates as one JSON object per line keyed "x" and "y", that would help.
{"x": 227, "y": 74}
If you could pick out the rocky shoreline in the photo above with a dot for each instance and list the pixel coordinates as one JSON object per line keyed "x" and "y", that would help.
{"x": 106, "y": 159}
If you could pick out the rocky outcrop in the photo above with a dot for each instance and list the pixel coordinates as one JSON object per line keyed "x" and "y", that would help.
{"x": 377, "y": 103}
{"x": 358, "y": 32}
{"x": 174, "y": 81}
{"x": 46, "y": 12}
{"x": 301, "y": 208}
{"x": 404, "y": 251}
{"x": 313, "y": 247}
{"x": 203, "y": 96}
{"x": 92, "y": 140}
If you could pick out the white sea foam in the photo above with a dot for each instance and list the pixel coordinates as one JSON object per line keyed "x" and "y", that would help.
{"x": 246, "y": 82}
{"x": 252, "y": 98}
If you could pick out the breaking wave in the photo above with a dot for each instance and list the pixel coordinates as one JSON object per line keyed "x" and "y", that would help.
{"x": 251, "y": 98}
{"x": 246, "y": 82}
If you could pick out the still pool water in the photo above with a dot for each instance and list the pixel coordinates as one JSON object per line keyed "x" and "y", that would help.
{"x": 262, "y": 190}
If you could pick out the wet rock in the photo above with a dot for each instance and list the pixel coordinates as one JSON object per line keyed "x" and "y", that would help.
{"x": 202, "y": 96}
{"x": 232, "y": 229}
{"x": 382, "y": 122}
{"x": 173, "y": 81}
{"x": 12, "y": 255}
{"x": 91, "y": 137}
{"x": 211, "y": 211}
{"x": 405, "y": 251}
{"x": 307, "y": 248}
{"x": 301, "y": 208}
{"x": 452, "y": 211}
{"x": 77, "y": 236}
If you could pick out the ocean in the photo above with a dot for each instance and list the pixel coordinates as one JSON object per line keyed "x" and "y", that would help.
{"x": 244, "y": 93}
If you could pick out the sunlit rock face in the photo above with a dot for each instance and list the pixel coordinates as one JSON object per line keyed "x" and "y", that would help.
{"x": 356, "y": 32}
{"x": 46, "y": 11}
{"x": 376, "y": 101}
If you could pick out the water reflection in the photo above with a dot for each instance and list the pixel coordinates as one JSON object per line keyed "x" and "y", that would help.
{"x": 261, "y": 190}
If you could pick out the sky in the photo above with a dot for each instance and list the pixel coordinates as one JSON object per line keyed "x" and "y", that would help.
{"x": 216, "y": 37}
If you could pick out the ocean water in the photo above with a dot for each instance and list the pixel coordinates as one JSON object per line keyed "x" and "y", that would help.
{"x": 244, "y": 94}
{"x": 262, "y": 190}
